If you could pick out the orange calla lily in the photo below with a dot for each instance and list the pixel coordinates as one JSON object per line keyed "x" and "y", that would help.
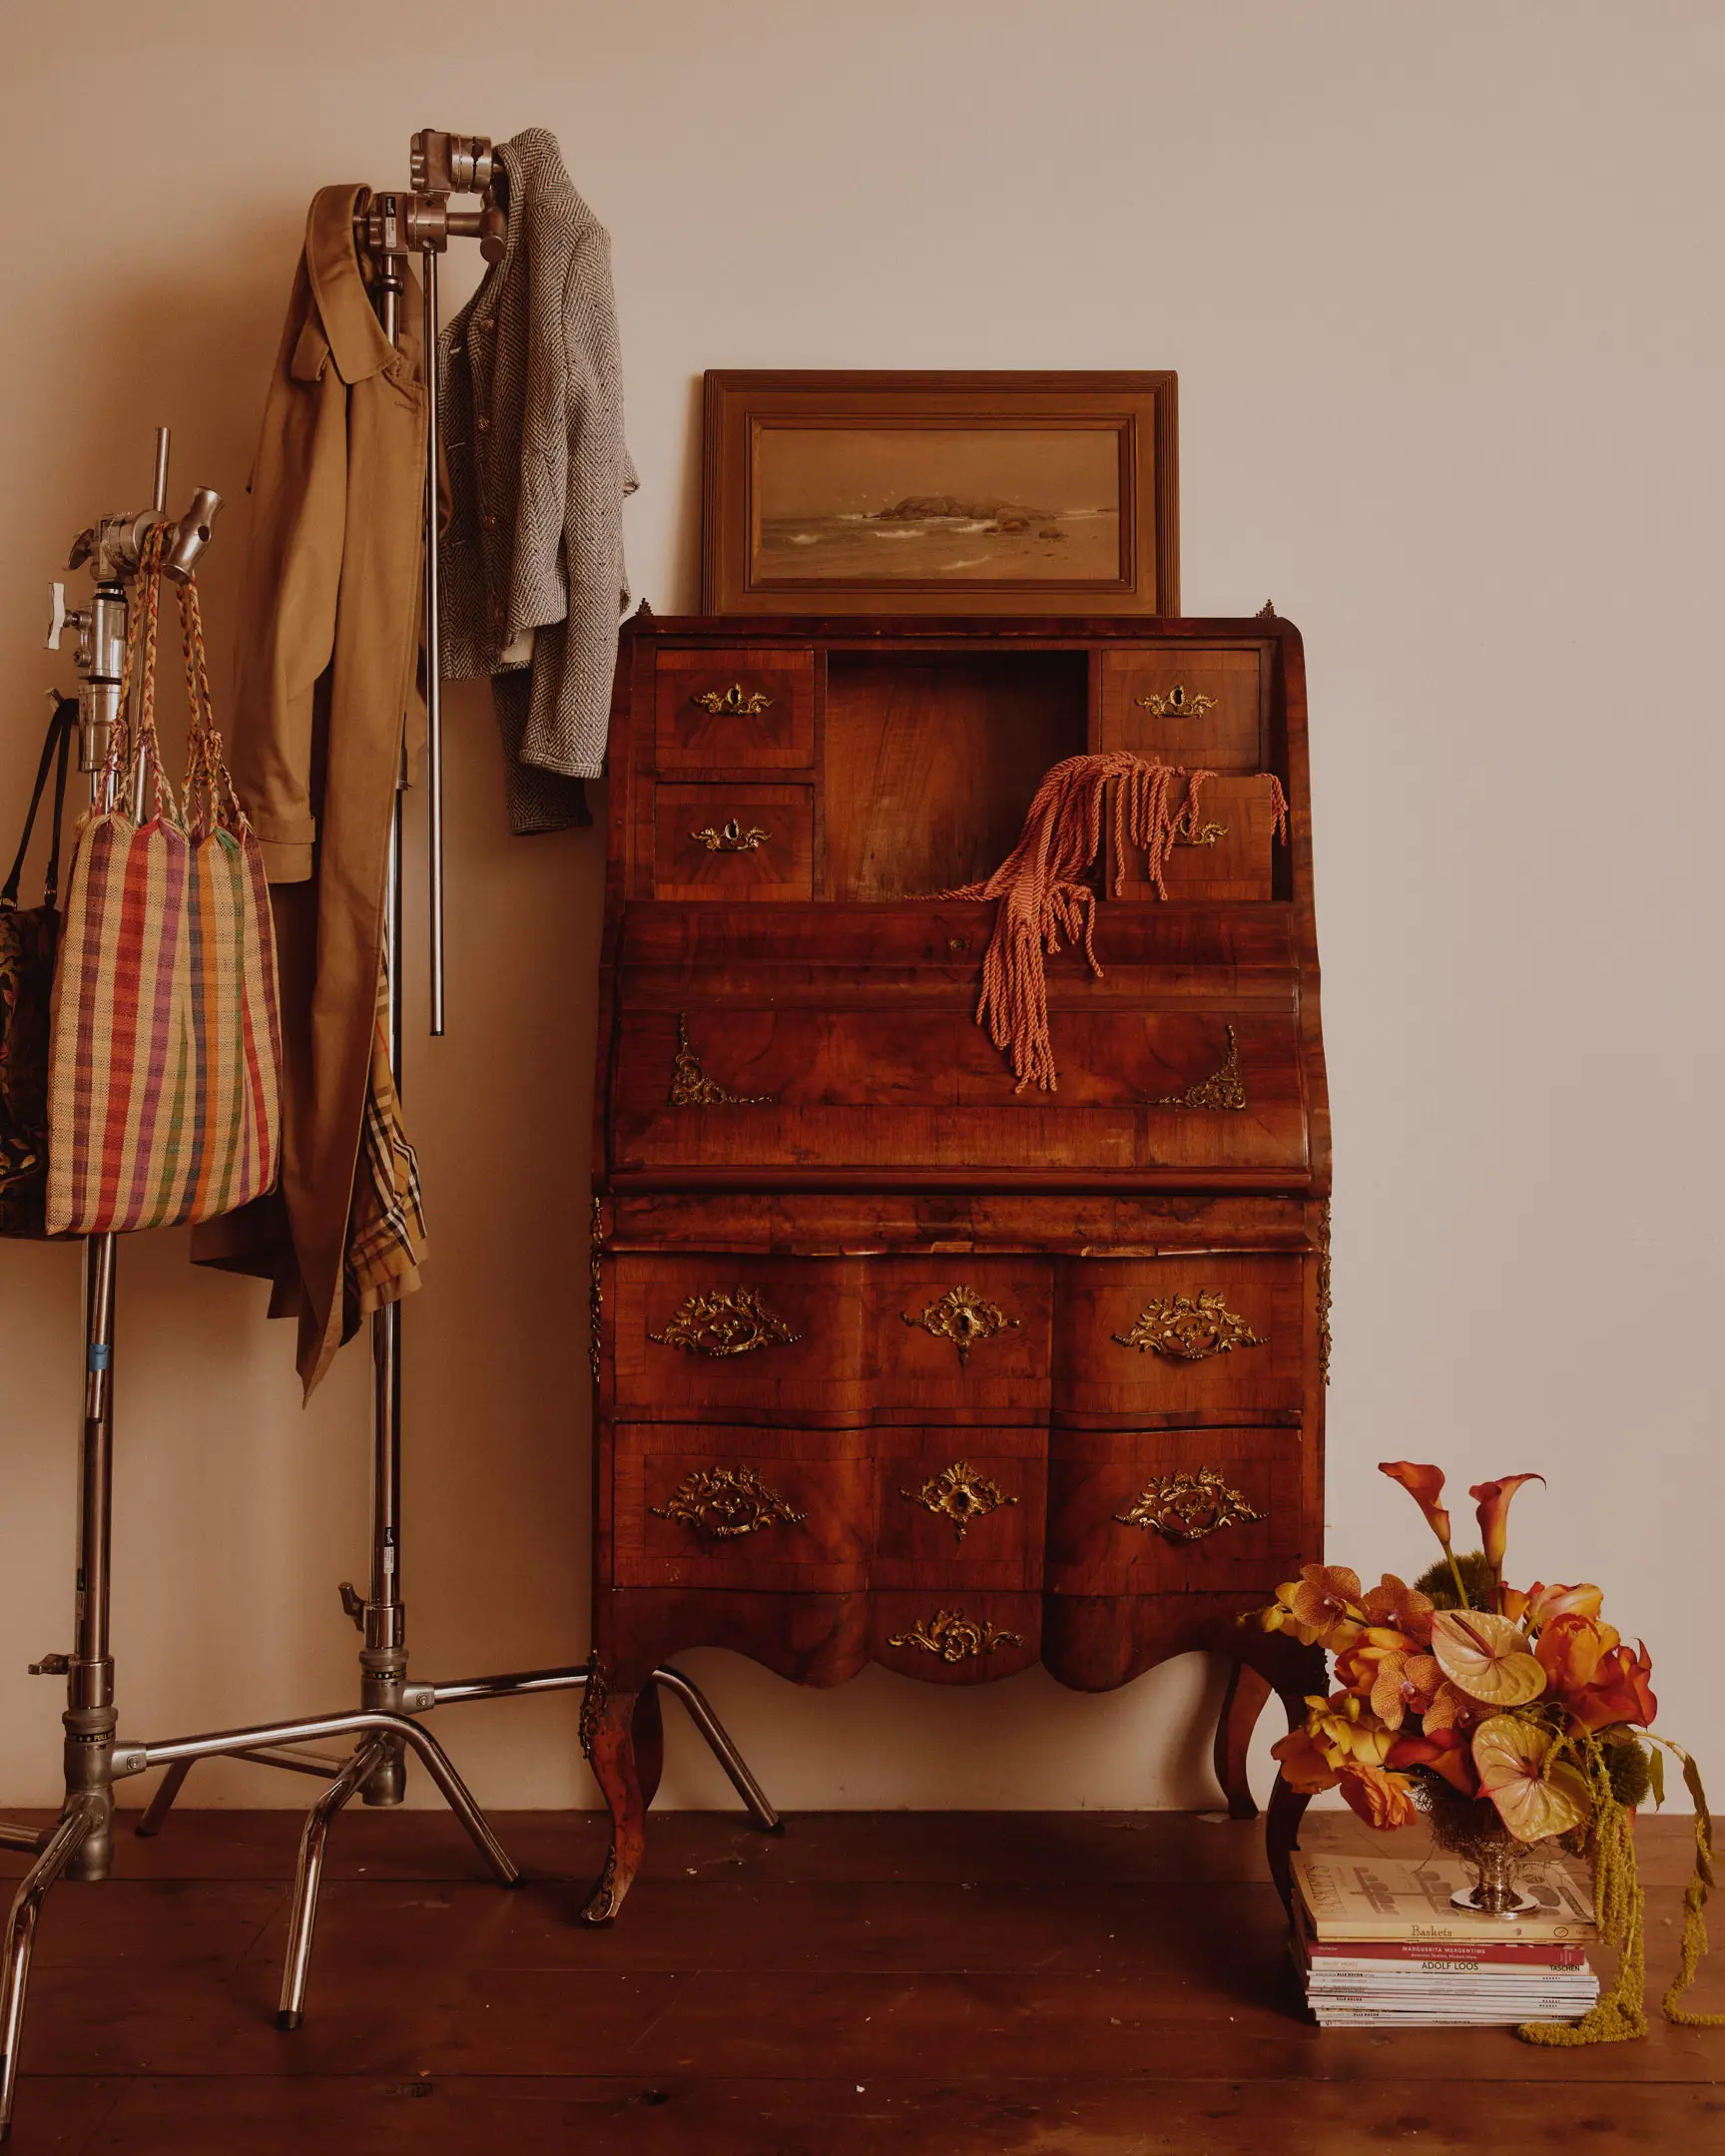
{"x": 1534, "y": 1800}
{"x": 1493, "y": 1500}
{"x": 1446, "y": 1751}
{"x": 1486, "y": 1656}
{"x": 1381, "y": 1800}
{"x": 1426, "y": 1486}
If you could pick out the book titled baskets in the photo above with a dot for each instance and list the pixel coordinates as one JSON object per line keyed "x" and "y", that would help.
{"x": 165, "y": 1052}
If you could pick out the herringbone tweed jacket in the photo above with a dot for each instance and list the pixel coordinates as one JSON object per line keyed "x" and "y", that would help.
{"x": 532, "y": 557}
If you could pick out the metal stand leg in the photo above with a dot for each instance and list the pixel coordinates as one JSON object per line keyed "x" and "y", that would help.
{"x": 310, "y": 1877}
{"x": 61, "y": 1845}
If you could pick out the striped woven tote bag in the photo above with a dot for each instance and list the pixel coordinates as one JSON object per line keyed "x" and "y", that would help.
{"x": 165, "y": 1053}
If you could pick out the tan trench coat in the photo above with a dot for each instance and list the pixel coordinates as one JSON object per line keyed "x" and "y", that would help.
{"x": 325, "y": 684}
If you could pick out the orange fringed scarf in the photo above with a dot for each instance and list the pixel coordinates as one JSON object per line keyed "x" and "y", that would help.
{"x": 1044, "y": 894}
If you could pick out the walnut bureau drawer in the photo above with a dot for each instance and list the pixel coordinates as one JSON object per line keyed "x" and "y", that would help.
{"x": 958, "y": 1508}
{"x": 729, "y": 843}
{"x": 1202, "y": 708}
{"x": 1173, "y": 1511}
{"x": 1230, "y": 856}
{"x": 1211, "y": 1334}
{"x": 742, "y": 1338}
{"x": 734, "y": 709}
{"x": 788, "y": 1510}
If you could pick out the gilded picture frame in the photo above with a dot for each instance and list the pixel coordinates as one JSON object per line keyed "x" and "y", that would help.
{"x": 835, "y": 492}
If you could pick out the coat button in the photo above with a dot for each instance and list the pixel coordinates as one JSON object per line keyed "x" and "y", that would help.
{"x": 489, "y": 521}
{"x": 483, "y": 424}
{"x": 491, "y": 323}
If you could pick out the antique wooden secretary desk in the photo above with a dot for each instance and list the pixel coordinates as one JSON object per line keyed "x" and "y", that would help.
{"x": 894, "y": 1363}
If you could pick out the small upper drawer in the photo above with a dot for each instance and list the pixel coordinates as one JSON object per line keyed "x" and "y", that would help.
{"x": 1228, "y": 851}
{"x": 734, "y": 843}
{"x": 714, "y": 711}
{"x": 1201, "y": 708}
{"x": 1210, "y": 1333}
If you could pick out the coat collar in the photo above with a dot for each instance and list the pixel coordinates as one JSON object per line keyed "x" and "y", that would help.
{"x": 356, "y": 339}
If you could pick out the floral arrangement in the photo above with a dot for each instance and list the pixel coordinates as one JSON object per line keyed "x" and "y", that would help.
{"x": 1509, "y": 1716}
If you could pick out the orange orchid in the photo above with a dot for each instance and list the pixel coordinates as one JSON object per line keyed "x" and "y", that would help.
{"x": 1402, "y": 1608}
{"x": 1426, "y": 1486}
{"x": 1356, "y": 1667}
{"x": 1304, "y": 1766}
{"x": 1404, "y": 1684}
{"x": 1493, "y": 1500}
{"x": 1324, "y": 1605}
{"x": 1570, "y": 1651}
{"x": 1381, "y": 1800}
{"x": 1451, "y": 1709}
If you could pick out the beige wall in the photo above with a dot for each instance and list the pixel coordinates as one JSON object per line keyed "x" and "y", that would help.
{"x": 1443, "y": 288}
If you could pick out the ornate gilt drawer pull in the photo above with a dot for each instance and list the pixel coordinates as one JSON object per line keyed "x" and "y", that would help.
{"x": 692, "y": 1088}
{"x": 1177, "y": 704}
{"x": 953, "y": 1637}
{"x": 730, "y": 837}
{"x": 727, "y": 1504}
{"x": 960, "y": 1493}
{"x": 963, "y": 1316}
{"x": 1189, "y": 1331}
{"x": 725, "y": 1325}
{"x": 1224, "y": 1088}
{"x": 1188, "y": 833}
{"x": 734, "y": 702}
{"x": 1187, "y": 1507}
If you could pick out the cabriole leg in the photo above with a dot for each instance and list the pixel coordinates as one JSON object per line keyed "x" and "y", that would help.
{"x": 608, "y": 1738}
{"x": 1245, "y": 1700}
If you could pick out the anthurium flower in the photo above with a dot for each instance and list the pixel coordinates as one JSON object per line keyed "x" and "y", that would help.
{"x": 1486, "y": 1656}
{"x": 1426, "y": 1486}
{"x": 1381, "y": 1800}
{"x": 1570, "y": 1651}
{"x": 1494, "y": 1499}
{"x": 1404, "y": 1683}
{"x": 1621, "y": 1691}
{"x": 1304, "y": 1765}
{"x": 1324, "y": 1604}
{"x": 1534, "y": 1797}
{"x": 1402, "y": 1608}
{"x": 1446, "y": 1751}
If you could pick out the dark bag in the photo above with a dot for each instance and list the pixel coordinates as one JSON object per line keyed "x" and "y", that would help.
{"x": 29, "y": 941}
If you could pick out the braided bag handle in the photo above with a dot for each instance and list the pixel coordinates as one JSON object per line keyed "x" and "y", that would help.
{"x": 210, "y": 801}
{"x": 128, "y": 737}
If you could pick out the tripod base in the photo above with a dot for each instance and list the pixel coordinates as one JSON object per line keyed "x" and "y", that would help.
{"x": 55, "y": 1851}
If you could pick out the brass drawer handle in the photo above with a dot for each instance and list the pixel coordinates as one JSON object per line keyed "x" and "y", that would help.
{"x": 727, "y": 1504}
{"x": 734, "y": 702}
{"x": 1187, "y": 1507}
{"x": 1224, "y": 1088}
{"x": 950, "y": 1636}
{"x": 730, "y": 837}
{"x": 1189, "y": 1331}
{"x": 1177, "y": 704}
{"x": 725, "y": 1325}
{"x": 960, "y": 1493}
{"x": 692, "y": 1088}
{"x": 963, "y": 1317}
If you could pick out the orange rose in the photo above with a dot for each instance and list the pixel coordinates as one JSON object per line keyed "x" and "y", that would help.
{"x": 1444, "y": 1751}
{"x": 1570, "y": 1648}
{"x": 1621, "y": 1691}
{"x": 1540, "y": 1603}
{"x": 1381, "y": 1800}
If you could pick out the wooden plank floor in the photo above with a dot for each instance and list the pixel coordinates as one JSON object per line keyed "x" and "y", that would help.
{"x": 925, "y": 1985}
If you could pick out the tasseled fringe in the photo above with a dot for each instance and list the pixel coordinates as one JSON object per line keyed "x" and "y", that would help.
{"x": 1044, "y": 899}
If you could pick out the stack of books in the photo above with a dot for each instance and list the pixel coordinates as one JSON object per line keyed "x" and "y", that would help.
{"x": 1378, "y": 1943}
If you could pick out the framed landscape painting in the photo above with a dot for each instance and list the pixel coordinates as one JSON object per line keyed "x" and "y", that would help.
{"x": 979, "y": 493}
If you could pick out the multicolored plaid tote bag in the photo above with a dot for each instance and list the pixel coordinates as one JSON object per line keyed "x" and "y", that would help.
{"x": 28, "y": 942}
{"x": 166, "y": 1053}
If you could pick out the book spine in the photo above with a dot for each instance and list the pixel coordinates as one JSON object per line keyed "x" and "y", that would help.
{"x": 1394, "y": 1952}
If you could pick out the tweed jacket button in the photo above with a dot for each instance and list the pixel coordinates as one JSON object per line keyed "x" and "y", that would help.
{"x": 491, "y": 323}
{"x": 483, "y": 424}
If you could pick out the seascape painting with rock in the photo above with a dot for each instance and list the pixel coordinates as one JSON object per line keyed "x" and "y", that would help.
{"x": 913, "y": 504}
